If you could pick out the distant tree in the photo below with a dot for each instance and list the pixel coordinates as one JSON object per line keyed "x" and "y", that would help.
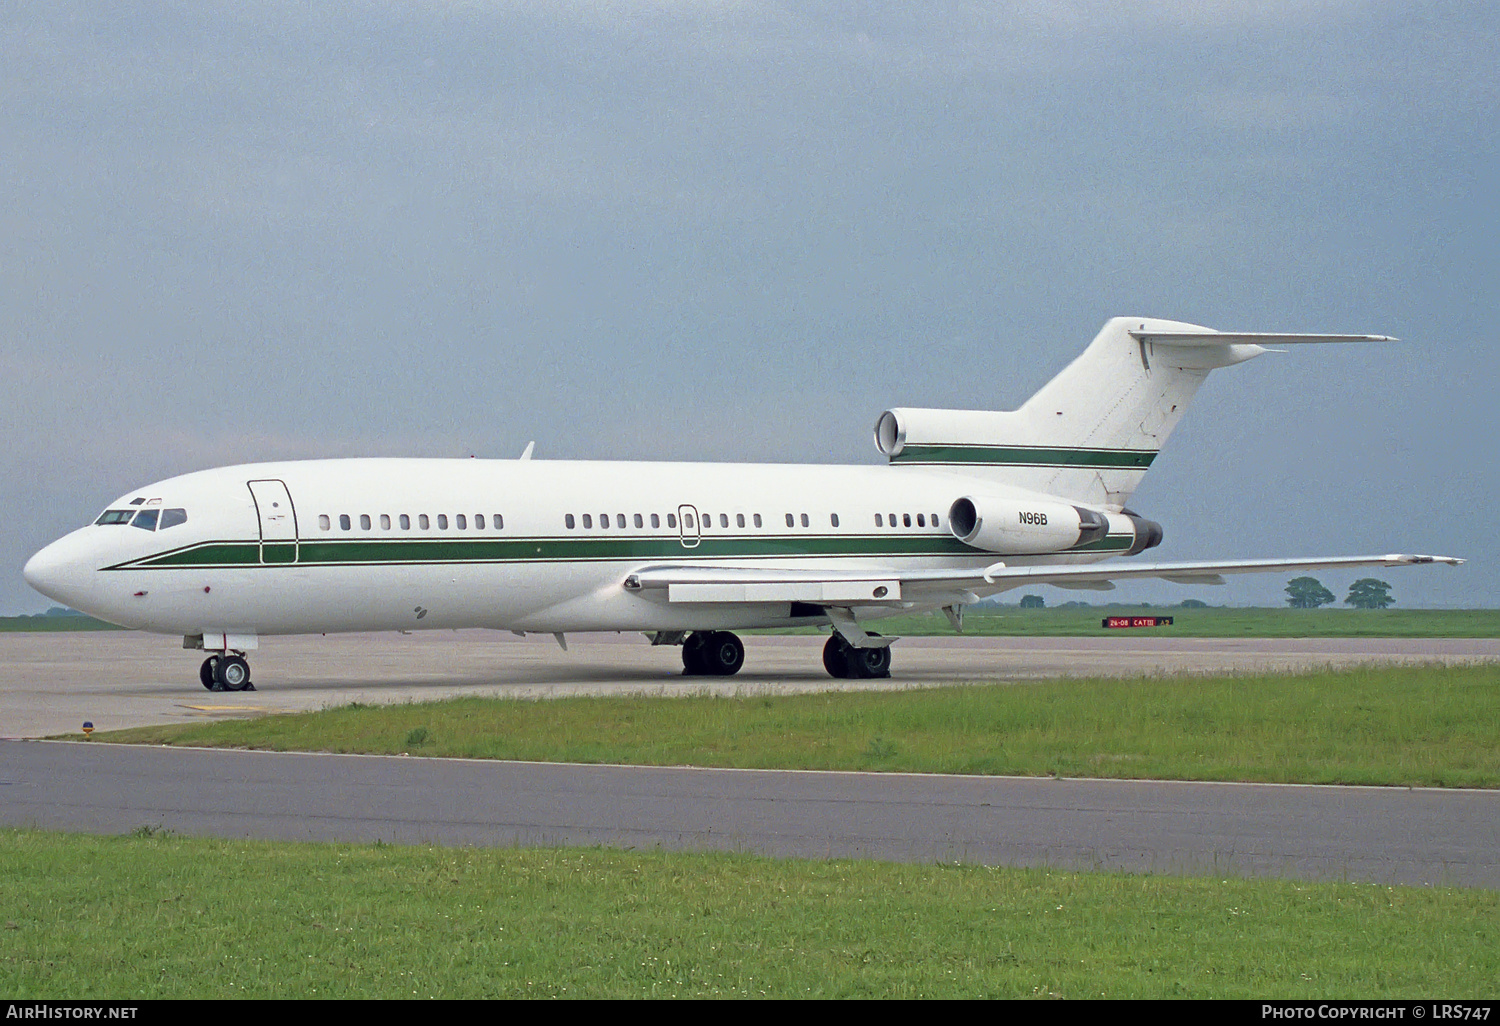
{"x": 1368, "y": 593}
{"x": 1033, "y": 602}
{"x": 1194, "y": 604}
{"x": 1307, "y": 593}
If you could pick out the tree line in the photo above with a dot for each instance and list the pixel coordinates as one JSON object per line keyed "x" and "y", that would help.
{"x": 1365, "y": 593}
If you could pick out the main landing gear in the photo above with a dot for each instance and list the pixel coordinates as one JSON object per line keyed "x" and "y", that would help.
{"x": 843, "y": 660}
{"x": 227, "y": 672}
{"x": 712, "y": 653}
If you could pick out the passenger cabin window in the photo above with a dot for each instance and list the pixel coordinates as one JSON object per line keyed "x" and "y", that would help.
{"x": 385, "y": 521}
{"x": 145, "y": 520}
{"x": 833, "y": 518}
{"x": 789, "y": 521}
{"x": 405, "y": 522}
{"x": 422, "y": 521}
{"x": 672, "y": 521}
{"x": 173, "y": 517}
{"x": 442, "y": 521}
{"x": 323, "y": 522}
{"x": 655, "y": 520}
{"x": 724, "y": 520}
{"x": 879, "y": 520}
{"x": 364, "y": 521}
{"x": 640, "y": 521}
{"x": 479, "y": 521}
{"x": 588, "y": 521}
{"x": 906, "y": 520}
{"x": 499, "y": 522}
{"x": 343, "y": 521}
{"x": 115, "y": 516}
{"x": 461, "y": 522}
{"x": 568, "y": 521}
{"x": 620, "y": 521}
{"x": 757, "y": 520}
{"x": 739, "y": 520}
{"x": 804, "y": 520}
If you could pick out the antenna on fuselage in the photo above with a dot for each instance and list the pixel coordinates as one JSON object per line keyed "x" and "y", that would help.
{"x": 526, "y": 453}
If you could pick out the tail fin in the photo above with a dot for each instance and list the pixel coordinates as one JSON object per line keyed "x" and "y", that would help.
{"x": 1092, "y": 431}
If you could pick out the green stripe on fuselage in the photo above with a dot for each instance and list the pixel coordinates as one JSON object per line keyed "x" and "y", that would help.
{"x": 1028, "y": 456}
{"x": 362, "y": 551}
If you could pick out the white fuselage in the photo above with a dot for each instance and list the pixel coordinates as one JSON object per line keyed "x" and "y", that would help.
{"x": 376, "y": 544}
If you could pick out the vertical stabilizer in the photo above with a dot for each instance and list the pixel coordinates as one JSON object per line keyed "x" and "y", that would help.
{"x": 1092, "y": 431}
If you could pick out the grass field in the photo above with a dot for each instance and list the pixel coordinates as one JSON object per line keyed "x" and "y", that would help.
{"x": 1405, "y": 726}
{"x": 55, "y": 623}
{"x": 168, "y": 917}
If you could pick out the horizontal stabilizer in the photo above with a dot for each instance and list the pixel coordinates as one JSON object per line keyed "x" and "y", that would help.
{"x": 1245, "y": 338}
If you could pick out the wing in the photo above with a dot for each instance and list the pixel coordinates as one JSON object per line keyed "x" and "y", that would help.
{"x": 700, "y": 583}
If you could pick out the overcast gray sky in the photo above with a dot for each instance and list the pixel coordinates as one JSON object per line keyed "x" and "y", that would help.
{"x": 738, "y": 231}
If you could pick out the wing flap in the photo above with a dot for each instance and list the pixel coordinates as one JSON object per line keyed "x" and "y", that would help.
{"x": 837, "y": 592}
{"x": 707, "y": 583}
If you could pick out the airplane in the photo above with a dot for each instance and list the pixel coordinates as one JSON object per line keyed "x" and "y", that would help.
{"x": 969, "y": 504}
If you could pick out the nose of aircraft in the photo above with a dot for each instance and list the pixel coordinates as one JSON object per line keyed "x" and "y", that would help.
{"x": 51, "y": 571}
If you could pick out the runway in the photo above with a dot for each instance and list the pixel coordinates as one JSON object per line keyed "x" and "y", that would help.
{"x": 51, "y": 683}
{"x": 1381, "y": 835}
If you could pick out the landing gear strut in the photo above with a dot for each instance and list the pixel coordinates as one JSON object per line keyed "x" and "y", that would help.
{"x": 228, "y": 672}
{"x": 712, "y": 653}
{"x": 844, "y": 661}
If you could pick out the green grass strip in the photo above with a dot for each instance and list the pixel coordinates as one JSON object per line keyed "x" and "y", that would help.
{"x": 159, "y": 916}
{"x": 1405, "y": 726}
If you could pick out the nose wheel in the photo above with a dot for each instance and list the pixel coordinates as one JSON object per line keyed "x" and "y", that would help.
{"x": 225, "y": 673}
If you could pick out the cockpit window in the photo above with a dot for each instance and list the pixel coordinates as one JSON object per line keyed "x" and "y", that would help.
{"x": 115, "y": 516}
{"x": 146, "y": 519}
{"x": 171, "y": 518}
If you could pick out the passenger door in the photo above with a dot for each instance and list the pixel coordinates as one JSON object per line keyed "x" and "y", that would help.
{"x": 278, "y": 521}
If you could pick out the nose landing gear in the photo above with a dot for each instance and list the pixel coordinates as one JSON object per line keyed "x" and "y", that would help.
{"x": 228, "y": 672}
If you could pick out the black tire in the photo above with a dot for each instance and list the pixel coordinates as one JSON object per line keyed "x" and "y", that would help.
{"x": 723, "y": 654}
{"x": 869, "y": 663}
{"x": 693, "y": 662}
{"x": 846, "y": 662}
{"x": 233, "y": 673}
{"x": 836, "y": 657}
{"x": 206, "y": 672}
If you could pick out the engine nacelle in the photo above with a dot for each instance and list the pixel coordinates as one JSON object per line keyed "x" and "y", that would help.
{"x": 1014, "y": 527}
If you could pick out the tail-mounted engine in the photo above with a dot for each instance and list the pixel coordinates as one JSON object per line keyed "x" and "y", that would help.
{"x": 1017, "y": 527}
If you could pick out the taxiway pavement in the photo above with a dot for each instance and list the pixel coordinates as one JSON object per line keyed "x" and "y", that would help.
{"x": 50, "y": 683}
{"x": 1419, "y": 836}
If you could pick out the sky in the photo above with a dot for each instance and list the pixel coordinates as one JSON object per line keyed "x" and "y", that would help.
{"x": 741, "y": 230}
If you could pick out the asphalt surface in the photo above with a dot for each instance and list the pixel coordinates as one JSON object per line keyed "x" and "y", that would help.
{"x": 1383, "y": 835}
{"x": 51, "y": 683}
